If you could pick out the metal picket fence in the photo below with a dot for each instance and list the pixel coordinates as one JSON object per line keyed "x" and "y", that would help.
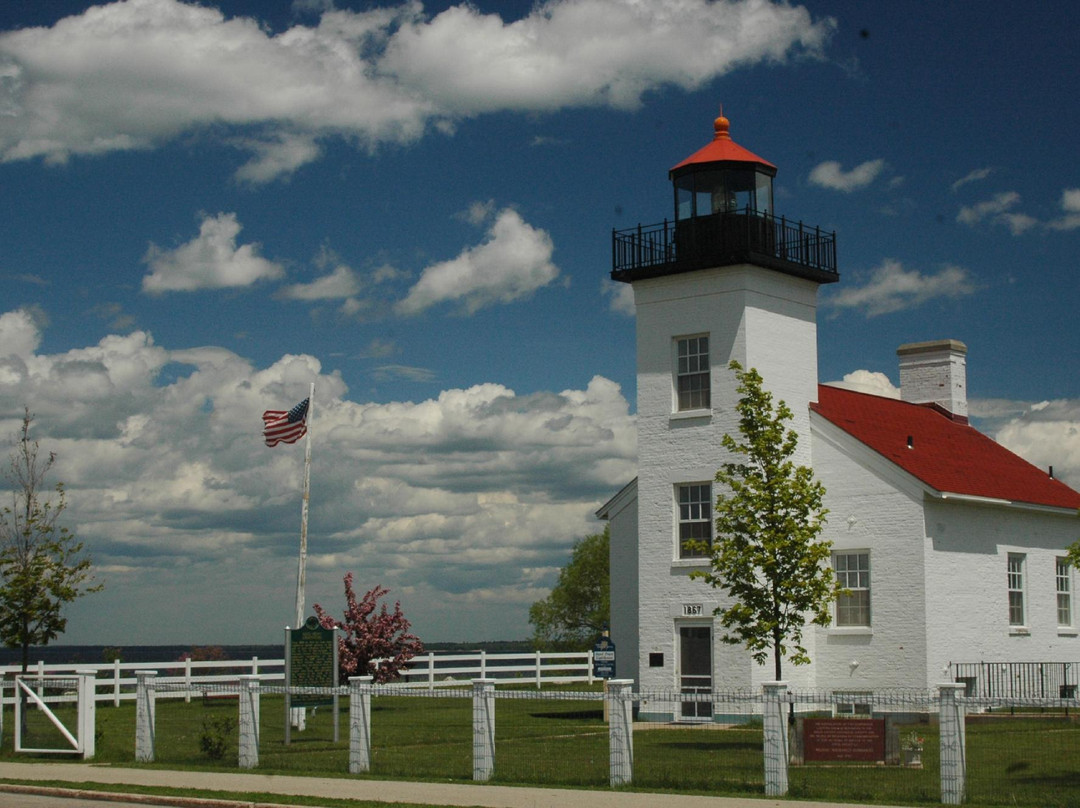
{"x": 986, "y": 751}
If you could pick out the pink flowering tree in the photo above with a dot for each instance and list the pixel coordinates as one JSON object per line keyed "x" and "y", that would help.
{"x": 377, "y": 642}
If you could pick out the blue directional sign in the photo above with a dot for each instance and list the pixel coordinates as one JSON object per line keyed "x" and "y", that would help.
{"x": 604, "y": 659}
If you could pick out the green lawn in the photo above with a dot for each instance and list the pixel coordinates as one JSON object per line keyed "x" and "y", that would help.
{"x": 1011, "y": 760}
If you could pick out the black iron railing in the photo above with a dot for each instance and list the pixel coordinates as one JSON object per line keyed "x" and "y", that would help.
{"x": 1018, "y": 679}
{"x": 723, "y": 239}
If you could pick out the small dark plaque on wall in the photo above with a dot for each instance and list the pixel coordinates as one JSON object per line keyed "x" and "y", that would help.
{"x": 858, "y": 739}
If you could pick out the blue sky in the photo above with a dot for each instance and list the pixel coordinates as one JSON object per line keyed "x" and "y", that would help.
{"x": 205, "y": 208}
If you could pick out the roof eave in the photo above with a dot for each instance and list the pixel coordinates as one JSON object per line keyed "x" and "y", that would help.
{"x": 1003, "y": 503}
{"x": 617, "y": 502}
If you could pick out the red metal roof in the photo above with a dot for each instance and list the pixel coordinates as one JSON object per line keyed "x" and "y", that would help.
{"x": 948, "y": 456}
{"x": 723, "y": 148}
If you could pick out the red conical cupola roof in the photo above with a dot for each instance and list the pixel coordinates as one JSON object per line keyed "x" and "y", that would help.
{"x": 723, "y": 149}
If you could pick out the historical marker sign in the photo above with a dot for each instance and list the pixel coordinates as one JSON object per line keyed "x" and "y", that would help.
{"x": 860, "y": 739}
{"x": 312, "y": 662}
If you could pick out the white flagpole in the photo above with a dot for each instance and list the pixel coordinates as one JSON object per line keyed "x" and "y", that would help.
{"x": 301, "y": 572}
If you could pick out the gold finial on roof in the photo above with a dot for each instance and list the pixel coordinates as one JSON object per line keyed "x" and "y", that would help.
{"x": 721, "y": 127}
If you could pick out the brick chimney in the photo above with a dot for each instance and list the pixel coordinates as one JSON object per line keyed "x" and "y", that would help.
{"x": 935, "y": 373}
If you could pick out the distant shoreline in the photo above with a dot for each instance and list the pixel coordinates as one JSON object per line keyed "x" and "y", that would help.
{"x": 95, "y": 654}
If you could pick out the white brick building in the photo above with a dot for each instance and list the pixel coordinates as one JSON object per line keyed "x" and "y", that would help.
{"x": 951, "y": 546}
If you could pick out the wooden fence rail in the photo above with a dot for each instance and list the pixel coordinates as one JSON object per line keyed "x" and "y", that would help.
{"x": 116, "y": 681}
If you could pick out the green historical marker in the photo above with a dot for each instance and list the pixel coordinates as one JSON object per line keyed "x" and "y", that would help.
{"x": 311, "y": 661}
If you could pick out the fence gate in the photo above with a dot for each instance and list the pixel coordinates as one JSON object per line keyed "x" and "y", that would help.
{"x": 44, "y": 693}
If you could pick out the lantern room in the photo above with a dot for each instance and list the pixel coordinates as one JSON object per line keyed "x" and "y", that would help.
{"x": 722, "y": 177}
{"x": 724, "y": 216}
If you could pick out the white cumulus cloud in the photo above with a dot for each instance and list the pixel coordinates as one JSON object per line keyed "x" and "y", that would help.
{"x": 1046, "y": 434}
{"x": 621, "y": 297}
{"x": 831, "y": 175}
{"x": 976, "y": 175}
{"x": 192, "y": 520}
{"x": 998, "y": 210}
{"x": 19, "y": 334}
{"x": 868, "y": 381}
{"x": 212, "y": 260}
{"x": 1070, "y": 206}
{"x": 138, "y": 73}
{"x": 893, "y": 288}
{"x": 590, "y": 52}
{"x": 340, "y": 283}
{"x": 510, "y": 264}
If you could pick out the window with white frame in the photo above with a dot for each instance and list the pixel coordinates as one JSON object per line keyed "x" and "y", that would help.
{"x": 852, "y": 703}
{"x": 853, "y": 574}
{"x": 695, "y": 518}
{"x": 1016, "y": 563}
{"x": 1063, "y": 576}
{"x": 692, "y": 373}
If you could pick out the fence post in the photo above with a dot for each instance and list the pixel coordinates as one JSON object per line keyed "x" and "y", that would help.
{"x": 249, "y": 722}
{"x": 953, "y": 743}
{"x": 539, "y": 669}
{"x": 360, "y": 724}
{"x": 776, "y": 739}
{"x": 483, "y": 723}
{"x": 87, "y": 695}
{"x": 145, "y": 715}
{"x": 187, "y": 680}
{"x": 116, "y": 683}
{"x": 620, "y": 708}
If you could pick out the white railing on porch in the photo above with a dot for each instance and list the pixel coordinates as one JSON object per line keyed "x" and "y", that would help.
{"x": 116, "y": 681}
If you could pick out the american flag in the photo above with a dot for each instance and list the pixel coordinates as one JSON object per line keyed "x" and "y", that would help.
{"x": 280, "y": 426}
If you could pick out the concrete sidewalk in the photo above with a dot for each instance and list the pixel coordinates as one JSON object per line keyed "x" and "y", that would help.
{"x": 82, "y": 776}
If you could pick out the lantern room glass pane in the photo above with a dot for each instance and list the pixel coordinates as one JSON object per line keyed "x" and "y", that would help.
{"x": 763, "y": 202}
{"x": 684, "y": 198}
{"x": 725, "y": 190}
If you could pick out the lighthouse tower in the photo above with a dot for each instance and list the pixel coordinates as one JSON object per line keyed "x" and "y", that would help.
{"x": 726, "y": 279}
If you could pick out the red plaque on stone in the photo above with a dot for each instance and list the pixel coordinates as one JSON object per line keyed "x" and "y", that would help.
{"x": 860, "y": 739}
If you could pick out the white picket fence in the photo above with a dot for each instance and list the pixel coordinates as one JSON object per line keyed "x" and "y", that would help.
{"x": 116, "y": 681}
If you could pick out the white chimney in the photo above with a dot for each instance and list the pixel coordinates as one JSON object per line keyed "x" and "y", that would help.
{"x": 935, "y": 373}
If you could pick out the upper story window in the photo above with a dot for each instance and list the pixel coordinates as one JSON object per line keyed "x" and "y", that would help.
{"x": 853, "y": 574}
{"x": 695, "y": 517}
{"x": 1063, "y": 576}
{"x": 1016, "y": 572}
{"x": 692, "y": 373}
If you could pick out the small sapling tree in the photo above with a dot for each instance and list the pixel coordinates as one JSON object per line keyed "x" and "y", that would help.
{"x": 768, "y": 555}
{"x": 42, "y": 565}
{"x": 376, "y": 641}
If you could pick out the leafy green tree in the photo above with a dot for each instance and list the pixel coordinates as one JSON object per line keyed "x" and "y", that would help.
{"x": 42, "y": 566}
{"x": 1073, "y": 551}
{"x": 578, "y": 609}
{"x": 767, "y": 555}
